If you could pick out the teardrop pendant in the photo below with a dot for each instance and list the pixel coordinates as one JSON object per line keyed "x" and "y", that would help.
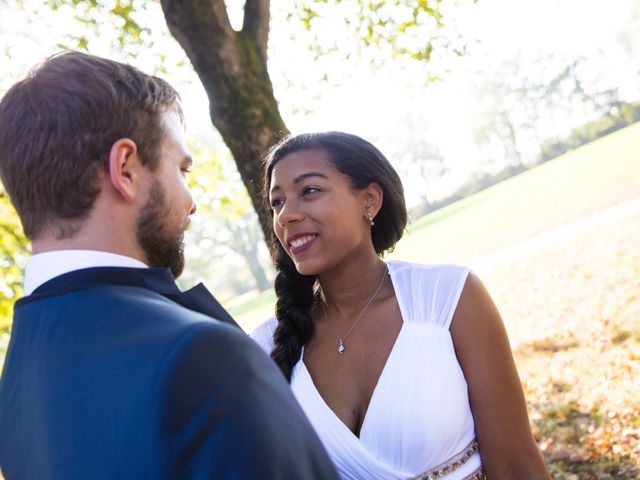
{"x": 340, "y": 348}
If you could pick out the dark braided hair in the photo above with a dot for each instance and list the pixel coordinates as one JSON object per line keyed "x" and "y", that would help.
{"x": 363, "y": 163}
{"x": 293, "y": 311}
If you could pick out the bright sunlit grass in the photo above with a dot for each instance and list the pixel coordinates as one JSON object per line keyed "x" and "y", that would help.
{"x": 249, "y": 315}
{"x": 555, "y": 193}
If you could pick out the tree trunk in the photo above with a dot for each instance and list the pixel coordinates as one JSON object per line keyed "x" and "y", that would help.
{"x": 244, "y": 241}
{"x": 232, "y": 66}
{"x": 262, "y": 282}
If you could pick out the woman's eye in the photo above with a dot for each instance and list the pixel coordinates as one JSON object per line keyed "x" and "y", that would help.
{"x": 276, "y": 202}
{"x": 309, "y": 190}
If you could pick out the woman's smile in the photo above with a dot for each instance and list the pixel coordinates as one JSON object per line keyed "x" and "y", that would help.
{"x": 302, "y": 242}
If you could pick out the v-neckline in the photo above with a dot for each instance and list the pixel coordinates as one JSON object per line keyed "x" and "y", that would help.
{"x": 382, "y": 373}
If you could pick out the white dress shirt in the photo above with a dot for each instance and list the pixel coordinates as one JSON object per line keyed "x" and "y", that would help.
{"x": 42, "y": 267}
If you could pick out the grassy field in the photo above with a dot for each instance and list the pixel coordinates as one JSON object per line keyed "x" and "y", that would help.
{"x": 572, "y": 311}
{"x": 585, "y": 180}
{"x": 572, "y": 307}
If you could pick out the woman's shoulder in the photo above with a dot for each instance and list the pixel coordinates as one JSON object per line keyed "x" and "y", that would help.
{"x": 263, "y": 334}
{"x": 422, "y": 271}
{"x": 428, "y": 293}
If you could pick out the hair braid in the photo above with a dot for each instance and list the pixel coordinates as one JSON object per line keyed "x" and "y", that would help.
{"x": 293, "y": 311}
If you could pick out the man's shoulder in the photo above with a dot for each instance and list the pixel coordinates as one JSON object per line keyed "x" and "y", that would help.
{"x": 219, "y": 380}
{"x": 134, "y": 311}
{"x": 196, "y": 330}
{"x": 161, "y": 316}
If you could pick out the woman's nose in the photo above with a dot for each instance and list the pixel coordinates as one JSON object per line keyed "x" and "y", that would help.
{"x": 290, "y": 212}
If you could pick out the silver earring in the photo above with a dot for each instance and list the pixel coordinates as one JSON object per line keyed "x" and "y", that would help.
{"x": 370, "y": 218}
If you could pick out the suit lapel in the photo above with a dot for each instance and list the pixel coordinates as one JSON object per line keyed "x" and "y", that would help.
{"x": 158, "y": 280}
{"x": 201, "y": 300}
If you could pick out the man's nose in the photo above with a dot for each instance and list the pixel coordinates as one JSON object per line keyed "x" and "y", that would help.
{"x": 194, "y": 207}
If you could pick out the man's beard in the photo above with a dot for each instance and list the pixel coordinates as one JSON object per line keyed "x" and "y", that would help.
{"x": 162, "y": 248}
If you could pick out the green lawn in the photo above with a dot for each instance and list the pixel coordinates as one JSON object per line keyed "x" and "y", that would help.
{"x": 258, "y": 310}
{"x": 557, "y": 192}
{"x": 580, "y": 182}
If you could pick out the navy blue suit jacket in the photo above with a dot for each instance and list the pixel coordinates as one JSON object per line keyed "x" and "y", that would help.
{"x": 108, "y": 376}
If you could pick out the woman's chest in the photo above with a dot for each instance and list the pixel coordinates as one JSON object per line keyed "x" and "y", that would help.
{"x": 347, "y": 379}
{"x": 420, "y": 402}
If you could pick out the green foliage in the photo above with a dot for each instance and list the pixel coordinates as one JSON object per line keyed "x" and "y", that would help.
{"x": 215, "y": 184}
{"x": 224, "y": 232}
{"x": 389, "y": 28}
{"x": 621, "y": 115}
{"x": 119, "y": 29}
{"x": 13, "y": 252}
{"x": 125, "y": 16}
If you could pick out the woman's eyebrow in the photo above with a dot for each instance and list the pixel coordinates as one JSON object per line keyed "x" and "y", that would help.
{"x": 309, "y": 174}
{"x": 299, "y": 178}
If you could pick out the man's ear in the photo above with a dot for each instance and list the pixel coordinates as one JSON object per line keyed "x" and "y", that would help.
{"x": 124, "y": 168}
{"x": 373, "y": 196}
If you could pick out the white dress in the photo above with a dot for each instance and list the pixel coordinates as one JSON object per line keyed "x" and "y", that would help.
{"x": 419, "y": 422}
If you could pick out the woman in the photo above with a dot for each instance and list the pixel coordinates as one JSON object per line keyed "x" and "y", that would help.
{"x": 404, "y": 370}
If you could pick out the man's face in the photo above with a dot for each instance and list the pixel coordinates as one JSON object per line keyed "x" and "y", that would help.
{"x": 165, "y": 217}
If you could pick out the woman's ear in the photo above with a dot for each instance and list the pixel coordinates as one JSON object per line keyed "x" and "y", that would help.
{"x": 372, "y": 197}
{"x": 124, "y": 165}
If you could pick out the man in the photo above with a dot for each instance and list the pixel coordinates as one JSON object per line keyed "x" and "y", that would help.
{"x": 111, "y": 372}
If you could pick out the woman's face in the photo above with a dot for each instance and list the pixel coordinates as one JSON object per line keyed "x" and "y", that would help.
{"x": 317, "y": 216}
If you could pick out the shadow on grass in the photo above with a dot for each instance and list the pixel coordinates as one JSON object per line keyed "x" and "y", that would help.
{"x": 552, "y": 344}
{"x": 575, "y": 445}
{"x": 621, "y": 336}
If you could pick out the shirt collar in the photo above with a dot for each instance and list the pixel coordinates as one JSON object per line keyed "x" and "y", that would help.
{"x": 42, "y": 267}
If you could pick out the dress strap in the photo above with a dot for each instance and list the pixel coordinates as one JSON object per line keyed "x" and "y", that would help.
{"x": 453, "y": 464}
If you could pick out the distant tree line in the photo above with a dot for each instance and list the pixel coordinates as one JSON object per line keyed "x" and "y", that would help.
{"x": 621, "y": 115}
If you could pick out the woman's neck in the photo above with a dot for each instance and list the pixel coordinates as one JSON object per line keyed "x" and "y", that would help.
{"x": 348, "y": 286}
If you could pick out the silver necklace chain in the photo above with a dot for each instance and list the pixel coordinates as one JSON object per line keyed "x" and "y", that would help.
{"x": 341, "y": 340}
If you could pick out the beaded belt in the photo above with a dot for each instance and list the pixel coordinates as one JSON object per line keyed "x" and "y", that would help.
{"x": 453, "y": 464}
{"x": 477, "y": 475}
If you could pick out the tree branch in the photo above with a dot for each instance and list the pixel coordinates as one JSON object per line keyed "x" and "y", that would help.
{"x": 201, "y": 26}
{"x": 256, "y": 23}
{"x": 233, "y": 69}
